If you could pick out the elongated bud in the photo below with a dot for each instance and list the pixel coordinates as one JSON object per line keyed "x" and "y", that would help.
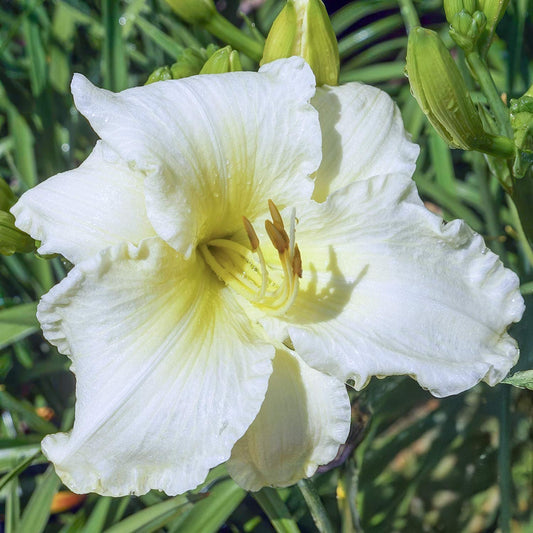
{"x": 440, "y": 90}
{"x": 223, "y": 60}
{"x": 303, "y": 29}
{"x": 193, "y": 11}
{"x": 494, "y": 11}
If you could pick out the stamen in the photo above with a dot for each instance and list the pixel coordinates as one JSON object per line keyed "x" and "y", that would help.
{"x": 292, "y": 233}
{"x": 276, "y": 216}
{"x": 297, "y": 262}
{"x": 280, "y": 241}
{"x": 252, "y": 235}
{"x": 264, "y": 273}
{"x": 224, "y": 274}
{"x": 254, "y": 243}
{"x": 234, "y": 264}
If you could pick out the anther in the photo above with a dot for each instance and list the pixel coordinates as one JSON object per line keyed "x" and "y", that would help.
{"x": 297, "y": 262}
{"x": 278, "y": 239}
{"x": 252, "y": 235}
{"x": 276, "y": 216}
{"x": 246, "y": 271}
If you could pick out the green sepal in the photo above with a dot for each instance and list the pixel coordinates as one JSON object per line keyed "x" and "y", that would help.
{"x": 224, "y": 60}
{"x": 303, "y": 28}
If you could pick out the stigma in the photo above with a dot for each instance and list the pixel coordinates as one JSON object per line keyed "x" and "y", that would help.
{"x": 273, "y": 287}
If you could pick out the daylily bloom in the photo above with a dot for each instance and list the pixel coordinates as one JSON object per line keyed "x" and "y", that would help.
{"x": 241, "y": 251}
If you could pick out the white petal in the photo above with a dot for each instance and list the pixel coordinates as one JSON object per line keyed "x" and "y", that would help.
{"x": 169, "y": 371}
{"x": 79, "y": 212}
{"x": 214, "y": 147}
{"x": 362, "y": 136}
{"x": 388, "y": 288}
{"x": 304, "y": 419}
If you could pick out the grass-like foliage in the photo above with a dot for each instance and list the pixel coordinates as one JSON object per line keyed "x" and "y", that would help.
{"x": 413, "y": 462}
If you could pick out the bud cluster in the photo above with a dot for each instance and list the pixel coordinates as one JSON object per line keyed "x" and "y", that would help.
{"x": 191, "y": 62}
{"x": 472, "y": 22}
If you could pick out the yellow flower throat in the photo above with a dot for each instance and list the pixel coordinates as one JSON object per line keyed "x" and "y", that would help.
{"x": 245, "y": 270}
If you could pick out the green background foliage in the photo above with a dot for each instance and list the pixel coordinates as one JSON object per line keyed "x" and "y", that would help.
{"x": 413, "y": 462}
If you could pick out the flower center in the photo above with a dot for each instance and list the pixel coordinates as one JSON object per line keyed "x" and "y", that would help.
{"x": 245, "y": 269}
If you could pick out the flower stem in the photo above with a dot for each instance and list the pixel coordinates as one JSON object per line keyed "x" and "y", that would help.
{"x": 276, "y": 510}
{"x": 504, "y": 451}
{"x": 318, "y": 511}
{"x": 497, "y": 145}
{"x": 488, "y": 205}
{"x": 409, "y": 14}
{"x": 521, "y": 234}
{"x": 504, "y": 459}
{"x": 522, "y": 196}
{"x": 222, "y": 28}
{"x": 347, "y": 496}
{"x": 482, "y": 74}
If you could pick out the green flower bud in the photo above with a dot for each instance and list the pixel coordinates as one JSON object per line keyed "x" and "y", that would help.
{"x": 11, "y": 238}
{"x": 189, "y": 63}
{"x": 7, "y": 197}
{"x": 194, "y": 11}
{"x": 493, "y": 10}
{"x": 440, "y": 90}
{"x": 159, "y": 74}
{"x": 466, "y": 29}
{"x": 223, "y": 60}
{"x": 303, "y": 29}
{"x": 452, "y": 7}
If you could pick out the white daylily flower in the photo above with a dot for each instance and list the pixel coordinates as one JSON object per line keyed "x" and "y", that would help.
{"x": 192, "y": 336}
